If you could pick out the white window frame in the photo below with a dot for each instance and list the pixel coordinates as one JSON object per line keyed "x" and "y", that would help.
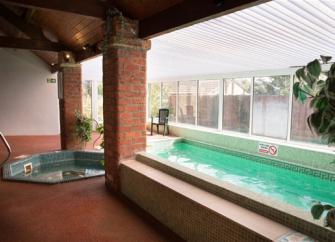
{"x": 253, "y": 74}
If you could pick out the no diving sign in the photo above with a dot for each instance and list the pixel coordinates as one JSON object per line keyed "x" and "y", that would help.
{"x": 268, "y": 149}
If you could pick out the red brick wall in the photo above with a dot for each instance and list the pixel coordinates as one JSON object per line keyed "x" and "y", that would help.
{"x": 124, "y": 90}
{"x": 72, "y": 101}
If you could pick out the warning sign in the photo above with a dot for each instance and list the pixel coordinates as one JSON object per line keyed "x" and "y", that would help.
{"x": 268, "y": 149}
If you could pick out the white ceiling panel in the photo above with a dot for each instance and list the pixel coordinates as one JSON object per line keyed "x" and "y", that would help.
{"x": 273, "y": 35}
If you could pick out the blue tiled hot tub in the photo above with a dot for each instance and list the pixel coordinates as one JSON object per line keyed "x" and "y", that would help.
{"x": 55, "y": 167}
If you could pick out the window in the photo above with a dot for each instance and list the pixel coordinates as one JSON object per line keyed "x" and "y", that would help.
{"x": 154, "y": 99}
{"x": 187, "y": 102}
{"x": 299, "y": 127}
{"x": 253, "y": 105}
{"x": 236, "y": 104}
{"x": 100, "y": 117}
{"x": 271, "y": 106}
{"x": 208, "y": 103}
{"x": 87, "y": 98}
{"x": 169, "y": 98}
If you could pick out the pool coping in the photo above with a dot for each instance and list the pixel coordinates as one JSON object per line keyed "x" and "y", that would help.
{"x": 276, "y": 210}
{"x": 7, "y": 172}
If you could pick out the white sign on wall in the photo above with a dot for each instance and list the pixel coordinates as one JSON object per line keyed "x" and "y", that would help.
{"x": 268, "y": 149}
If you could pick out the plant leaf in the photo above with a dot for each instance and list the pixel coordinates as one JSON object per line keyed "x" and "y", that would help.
{"x": 300, "y": 74}
{"x": 328, "y": 206}
{"x": 296, "y": 90}
{"x": 330, "y": 219}
{"x": 320, "y": 103}
{"x": 314, "y": 69}
{"x": 317, "y": 210}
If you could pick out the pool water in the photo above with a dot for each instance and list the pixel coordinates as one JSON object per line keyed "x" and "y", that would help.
{"x": 295, "y": 188}
{"x": 62, "y": 171}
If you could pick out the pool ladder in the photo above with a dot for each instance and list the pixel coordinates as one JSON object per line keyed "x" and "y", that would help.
{"x": 9, "y": 150}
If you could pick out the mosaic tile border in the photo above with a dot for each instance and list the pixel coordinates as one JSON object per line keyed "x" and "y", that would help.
{"x": 267, "y": 160}
{"x": 10, "y": 169}
{"x": 297, "y": 154}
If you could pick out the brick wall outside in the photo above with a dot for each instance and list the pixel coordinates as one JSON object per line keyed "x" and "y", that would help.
{"x": 124, "y": 90}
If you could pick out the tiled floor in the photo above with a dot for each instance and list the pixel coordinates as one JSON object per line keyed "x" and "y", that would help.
{"x": 75, "y": 211}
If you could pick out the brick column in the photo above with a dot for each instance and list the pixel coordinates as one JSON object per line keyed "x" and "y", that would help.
{"x": 70, "y": 77}
{"x": 124, "y": 90}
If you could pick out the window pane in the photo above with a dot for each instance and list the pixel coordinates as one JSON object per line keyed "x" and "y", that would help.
{"x": 87, "y": 98}
{"x": 187, "y": 102}
{"x": 299, "y": 127}
{"x": 270, "y": 107}
{"x": 100, "y": 103}
{"x": 154, "y": 99}
{"x": 236, "y": 104}
{"x": 208, "y": 103}
{"x": 169, "y": 98}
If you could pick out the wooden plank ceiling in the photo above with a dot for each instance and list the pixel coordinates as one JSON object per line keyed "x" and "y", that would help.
{"x": 74, "y": 24}
{"x": 73, "y": 30}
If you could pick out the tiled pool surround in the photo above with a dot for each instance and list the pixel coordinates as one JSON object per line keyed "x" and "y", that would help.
{"x": 89, "y": 163}
{"x": 273, "y": 209}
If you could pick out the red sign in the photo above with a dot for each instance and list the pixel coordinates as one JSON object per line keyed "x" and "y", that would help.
{"x": 268, "y": 149}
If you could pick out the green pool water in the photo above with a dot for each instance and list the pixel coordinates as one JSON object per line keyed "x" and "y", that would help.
{"x": 297, "y": 189}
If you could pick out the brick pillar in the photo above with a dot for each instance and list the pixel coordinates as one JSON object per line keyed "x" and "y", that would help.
{"x": 124, "y": 90}
{"x": 70, "y": 77}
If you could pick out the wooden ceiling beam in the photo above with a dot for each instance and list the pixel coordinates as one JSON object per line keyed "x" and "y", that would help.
{"x": 30, "y": 30}
{"x": 28, "y": 44}
{"x": 88, "y": 8}
{"x": 190, "y": 12}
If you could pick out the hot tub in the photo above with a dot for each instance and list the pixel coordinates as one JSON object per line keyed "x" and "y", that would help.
{"x": 55, "y": 167}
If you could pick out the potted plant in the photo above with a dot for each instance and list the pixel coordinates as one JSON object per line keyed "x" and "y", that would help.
{"x": 100, "y": 131}
{"x": 318, "y": 86}
{"x": 312, "y": 83}
{"x": 83, "y": 128}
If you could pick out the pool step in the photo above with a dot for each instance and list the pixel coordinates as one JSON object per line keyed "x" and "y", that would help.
{"x": 195, "y": 214}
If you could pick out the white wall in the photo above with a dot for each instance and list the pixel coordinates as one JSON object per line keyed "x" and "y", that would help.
{"x": 28, "y": 104}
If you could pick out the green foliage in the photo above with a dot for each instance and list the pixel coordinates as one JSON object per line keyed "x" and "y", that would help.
{"x": 83, "y": 127}
{"x": 154, "y": 94}
{"x": 275, "y": 85}
{"x": 100, "y": 130}
{"x": 312, "y": 83}
{"x": 318, "y": 210}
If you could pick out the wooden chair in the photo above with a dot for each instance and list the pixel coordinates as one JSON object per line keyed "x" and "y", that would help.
{"x": 162, "y": 119}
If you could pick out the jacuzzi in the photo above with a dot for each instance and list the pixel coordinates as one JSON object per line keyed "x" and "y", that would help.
{"x": 55, "y": 167}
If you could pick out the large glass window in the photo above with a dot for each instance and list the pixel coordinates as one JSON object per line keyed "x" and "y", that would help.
{"x": 100, "y": 103}
{"x": 236, "y": 104}
{"x": 154, "y": 99}
{"x": 271, "y": 106}
{"x": 299, "y": 126}
{"x": 187, "y": 102}
{"x": 169, "y": 98}
{"x": 208, "y": 103}
{"x": 87, "y": 98}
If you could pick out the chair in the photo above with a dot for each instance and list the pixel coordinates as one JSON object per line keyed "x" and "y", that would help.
{"x": 162, "y": 119}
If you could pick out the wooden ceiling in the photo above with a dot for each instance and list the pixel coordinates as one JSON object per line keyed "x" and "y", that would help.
{"x": 74, "y": 24}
